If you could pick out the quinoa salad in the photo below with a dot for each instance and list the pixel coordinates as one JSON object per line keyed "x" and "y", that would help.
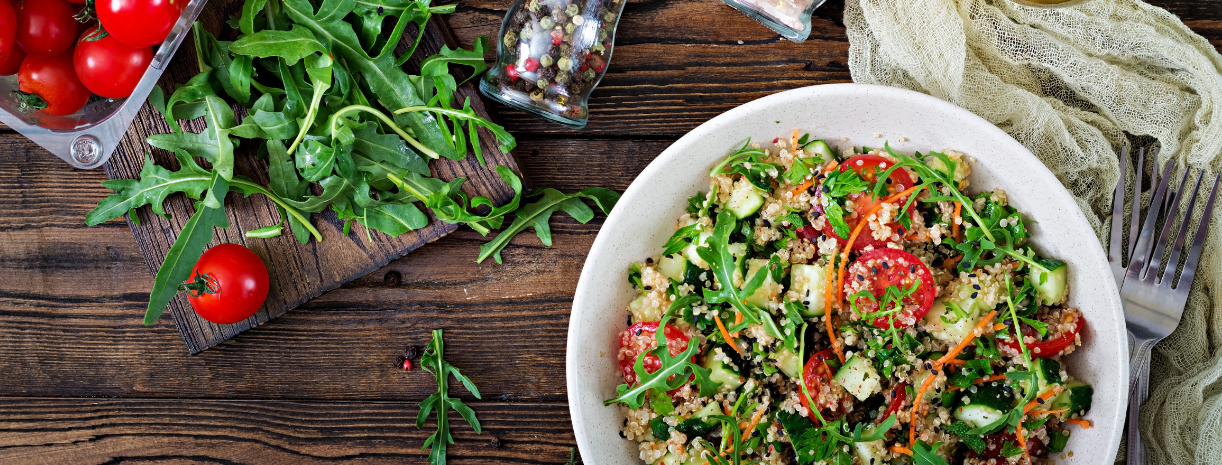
{"x": 849, "y": 306}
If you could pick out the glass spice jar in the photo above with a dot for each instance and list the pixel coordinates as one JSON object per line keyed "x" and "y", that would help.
{"x": 789, "y": 18}
{"x": 551, "y": 54}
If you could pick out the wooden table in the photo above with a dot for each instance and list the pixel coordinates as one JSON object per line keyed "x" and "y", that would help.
{"x": 83, "y": 381}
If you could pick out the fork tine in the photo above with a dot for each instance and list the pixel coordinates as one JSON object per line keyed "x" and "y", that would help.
{"x": 1180, "y": 237}
{"x": 1135, "y": 214}
{"x": 1164, "y": 238}
{"x": 1194, "y": 254}
{"x": 1115, "y": 248}
{"x": 1138, "y": 263}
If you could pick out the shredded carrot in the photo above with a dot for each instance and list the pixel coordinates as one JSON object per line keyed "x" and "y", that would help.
{"x": 861, "y": 224}
{"x": 954, "y": 225}
{"x": 726, "y": 334}
{"x": 1047, "y": 412}
{"x": 916, "y": 404}
{"x": 950, "y": 263}
{"x": 738, "y": 318}
{"x": 755, "y": 419}
{"x": 794, "y": 139}
{"x": 802, "y": 187}
{"x": 912, "y": 434}
{"x": 956, "y": 361}
{"x": 1022, "y": 441}
{"x": 827, "y": 317}
{"x": 830, "y": 166}
{"x": 998, "y": 326}
{"x": 900, "y": 449}
{"x": 990, "y": 379}
{"x": 954, "y": 352}
{"x": 1083, "y": 423}
{"x": 1043, "y": 397}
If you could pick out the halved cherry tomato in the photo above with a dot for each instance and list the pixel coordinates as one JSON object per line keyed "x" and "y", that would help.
{"x": 638, "y": 339}
{"x": 232, "y": 284}
{"x": 996, "y": 442}
{"x": 109, "y": 68}
{"x": 139, "y": 23}
{"x": 899, "y": 395}
{"x": 1058, "y": 339}
{"x": 868, "y": 167}
{"x": 50, "y": 84}
{"x": 46, "y": 27}
{"x": 879, "y": 269}
{"x": 818, "y": 378}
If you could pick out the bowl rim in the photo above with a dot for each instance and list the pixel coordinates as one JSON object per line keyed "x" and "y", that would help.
{"x": 617, "y": 216}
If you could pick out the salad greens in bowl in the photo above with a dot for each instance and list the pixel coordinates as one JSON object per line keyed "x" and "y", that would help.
{"x": 846, "y": 274}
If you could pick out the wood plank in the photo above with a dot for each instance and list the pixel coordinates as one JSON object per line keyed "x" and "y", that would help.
{"x": 298, "y": 272}
{"x": 96, "y": 431}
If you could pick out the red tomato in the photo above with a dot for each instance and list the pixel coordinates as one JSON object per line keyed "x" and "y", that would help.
{"x": 78, "y": 2}
{"x": 1058, "y": 338}
{"x": 878, "y": 269}
{"x": 139, "y": 23}
{"x": 234, "y": 281}
{"x": 45, "y": 27}
{"x": 109, "y": 68}
{"x": 12, "y": 63}
{"x": 818, "y": 378}
{"x": 868, "y": 167}
{"x": 899, "y": 395}
{"x": 50, "y": 84}
{"x": 8, "y": 32}
{"x": 638, "y": 339}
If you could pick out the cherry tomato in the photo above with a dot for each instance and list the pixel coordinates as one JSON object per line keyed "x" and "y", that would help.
{"x": 12, "y": 64}
{"x": 45, "y": 27}
{"x": 1057, "y": 340}
{"x": 8, "y": 32}
{"x": 879, "y": 269}
{"x": 899, "y": 395}
{"x": 638, "y": 339}
{"x": 231, "y": 284}
{"x": 139, "y": 23}
{"x": 868, "y": 167}
{"x": 78, "y": 2}
{"x": 818, "y": 378}
{"x": 50, "y": 84}
{"x": 109, "y": 68}
{"x": 996, "y": 442}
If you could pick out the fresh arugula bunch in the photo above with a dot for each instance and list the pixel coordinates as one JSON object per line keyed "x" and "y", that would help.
{"x": 434, "y": 362}
{"x": 342, "y": 126}
{"x": 675, "y": 371}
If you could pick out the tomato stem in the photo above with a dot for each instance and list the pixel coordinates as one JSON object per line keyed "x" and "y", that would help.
{"x": 29, "y": 102}
{"x": 203, "y": 283}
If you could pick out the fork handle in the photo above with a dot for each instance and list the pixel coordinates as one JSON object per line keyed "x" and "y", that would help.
{"x": 1139, "y": 389}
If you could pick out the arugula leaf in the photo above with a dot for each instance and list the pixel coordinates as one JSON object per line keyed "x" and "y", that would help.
{"x": 1010, "y": 449}
{"x": 536, "y": 215}
{"x": 925, "y": 454}
{"x": 682, "y": 238}
{"x": 291, "y": 45}
{"x": 186, "y": 250}
{"x": 434, "y": 362}
{"x": 974, "y": 441}
{"x": 970, "y": 372}
{"x": 152, "y": 188}
{"x": 717, "y": 254}
{"x": 674, "y": 371}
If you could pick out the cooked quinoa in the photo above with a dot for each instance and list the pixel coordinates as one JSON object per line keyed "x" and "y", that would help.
{"x": 946, "y": 328}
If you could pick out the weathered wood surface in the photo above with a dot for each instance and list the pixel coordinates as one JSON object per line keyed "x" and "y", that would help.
{"x": 317, "y": 384}
{"x": 299, "y": 272}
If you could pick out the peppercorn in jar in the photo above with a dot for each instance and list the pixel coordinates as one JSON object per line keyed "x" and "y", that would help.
{"x": 551, "y": 54}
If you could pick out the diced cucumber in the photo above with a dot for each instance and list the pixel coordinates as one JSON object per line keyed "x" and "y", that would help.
{"x": 721, "y": 372}
{"x": 874, "y": 452}
{"x": 660, "y": 429}
{"x": 690, "y": 251}
{"x": 1051, "y": 288}
{"x": 764, "y": 294}
{"x": 671, "y": 459}
{"x": 712, "y": 408}
{"x": 788, "y": 362}
{"x": 642, "y": 311}
{"x": 809, "y": 282}
{"x": 745, "y": 199}
{"x": 1047, "y": 371}
{"x": 988, "y": 404}
{"x": 1076, "y": 397}
{"x": 859, "y": 377}
{"x": 696, "y": 427}
{"x": 819, "y": 148}
{"x": 673, "y": 266}
{"x": 961, "y": 326}
{"x": 919, "y": 380}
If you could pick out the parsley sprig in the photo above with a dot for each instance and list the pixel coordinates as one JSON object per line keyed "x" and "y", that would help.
{"x": 434, "y": 362}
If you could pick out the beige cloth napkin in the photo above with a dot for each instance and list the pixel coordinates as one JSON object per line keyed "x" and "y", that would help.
{"x": 1073, "y": 85}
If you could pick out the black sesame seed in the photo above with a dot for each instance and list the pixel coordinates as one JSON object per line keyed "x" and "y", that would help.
{"x": 912, "y": 268}
{"x": 976, "y": 287}
{"x": 971, "y": 275}
{"x": 638, "y": 332}
{"x": 805, "y": 302}
{"x": 974, "y": 294}
{"x": 886, "y": 265}
{"x": 935, "y": 372}
{"x": 861, "y": 278}
{"x": 928, "y": 365}
{"x": 687, "y": 240}
{"x": 1039, "y": 399}
{"x": 621, "y": 434}
{"x": 649, "y": 260}
{"x": 874, "y": 269}
{"x": 826, "y": 190}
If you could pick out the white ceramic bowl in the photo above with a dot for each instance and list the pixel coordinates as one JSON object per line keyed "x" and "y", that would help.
{"x": 866, "y": 115}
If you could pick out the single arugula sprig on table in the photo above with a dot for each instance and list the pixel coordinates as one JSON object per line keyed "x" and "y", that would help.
{"x": 434, "y": 362}
{"x": 675, "y": 371}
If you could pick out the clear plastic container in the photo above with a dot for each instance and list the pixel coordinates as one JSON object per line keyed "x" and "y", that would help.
{"x": 789, "y": 18}
{"x": 87, "y": 138}
{"x": 550, "y": 56}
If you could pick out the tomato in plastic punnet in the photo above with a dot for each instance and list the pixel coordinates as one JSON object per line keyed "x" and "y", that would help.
{"x": 109, "y": 68}
{"x": 139, "y": 23}
{"x": 46, "y": 27}
{"x": 12, "y": 63}
{"x": 50, "y": 84}
{"x": 8, "y": 31}
{"x": 228, "y": 284}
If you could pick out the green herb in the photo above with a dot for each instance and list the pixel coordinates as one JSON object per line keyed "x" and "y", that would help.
{"x": 536, "y": 215}
{"x": 974, "y": 441}
{"x": 723, "y": 264}
{"x": 824, "y": 443}
{"x": 661, "y": 430}
{"x": 434, "y": 362}
{"x": 925, "y": 454}
{"x": 696, "y": 203}
{"x": 970, "y": 372}
{"x": 749, "y": 162}
{"x": 682, "y": 238}
{"x": 675, "y": 370}
{"x": 1010, "y": 449}
{"x": 802, "y": 167}
{"x": 573, "y": 458}
{"x": 836, "y": 187}
{"x": 634, "y": 276}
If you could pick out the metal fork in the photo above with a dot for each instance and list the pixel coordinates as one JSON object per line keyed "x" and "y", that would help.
{"x": 1153, "y": 302}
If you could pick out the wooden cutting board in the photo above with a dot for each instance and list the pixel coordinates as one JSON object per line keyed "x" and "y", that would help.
{"x": 298, "y": 272}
